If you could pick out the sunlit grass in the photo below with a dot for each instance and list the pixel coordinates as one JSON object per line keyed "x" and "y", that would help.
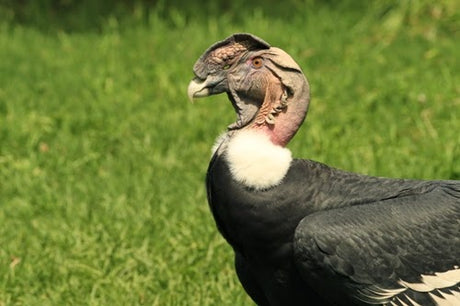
{"x": 102, "y": 157}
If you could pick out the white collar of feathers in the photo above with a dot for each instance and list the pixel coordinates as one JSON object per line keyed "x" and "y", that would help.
{"x": 253, "y": 159}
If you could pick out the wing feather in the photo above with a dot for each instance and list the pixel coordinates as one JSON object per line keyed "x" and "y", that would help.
{"x": 401, "y": 250}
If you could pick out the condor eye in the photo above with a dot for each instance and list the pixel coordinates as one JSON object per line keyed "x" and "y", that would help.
{"x": 257, "y": 62}
{"x": 226, "y": 67}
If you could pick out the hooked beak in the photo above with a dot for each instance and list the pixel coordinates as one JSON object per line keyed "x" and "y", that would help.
{"x": 197, "y": 89}
{"x": 213, "y": 84}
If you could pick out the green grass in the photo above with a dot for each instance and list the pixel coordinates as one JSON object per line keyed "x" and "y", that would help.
{"x": 102, "y": 157}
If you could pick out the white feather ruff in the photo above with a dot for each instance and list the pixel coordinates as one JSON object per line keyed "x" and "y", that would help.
{"x": 255, "y": 161}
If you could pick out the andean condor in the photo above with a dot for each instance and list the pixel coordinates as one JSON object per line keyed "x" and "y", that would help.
{"x": 304, "y": 233}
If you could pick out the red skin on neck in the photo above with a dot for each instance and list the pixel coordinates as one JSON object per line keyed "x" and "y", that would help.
{"x": 286, "y": 125}
{"x": 287, "y": 121}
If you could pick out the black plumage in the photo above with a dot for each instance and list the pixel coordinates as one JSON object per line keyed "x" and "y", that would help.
{"x": 320, "y": 235}
{"x": 335, "y": 231}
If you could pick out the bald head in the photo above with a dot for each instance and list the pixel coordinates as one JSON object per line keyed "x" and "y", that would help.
{"x": 263, "y": 83}
{"x": 223, "y": 54}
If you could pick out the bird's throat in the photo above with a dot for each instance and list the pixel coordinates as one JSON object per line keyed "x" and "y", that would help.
{"x": 282, "y": 110}
{"x": 280, "y": 117}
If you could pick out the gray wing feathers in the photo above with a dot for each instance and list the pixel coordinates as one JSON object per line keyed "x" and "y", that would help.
{"x": 371, "y": 248}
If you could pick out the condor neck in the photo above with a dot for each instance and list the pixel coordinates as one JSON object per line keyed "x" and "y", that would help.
{"x": 285, "y": 127}
{"x": 287, "y": 122}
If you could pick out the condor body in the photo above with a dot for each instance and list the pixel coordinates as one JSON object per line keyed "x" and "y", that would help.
{"x": 305, "y": 233}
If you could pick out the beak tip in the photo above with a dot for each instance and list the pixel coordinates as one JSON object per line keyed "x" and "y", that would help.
{"x": 197, "y": 89}
{"x": 191, "y": 99}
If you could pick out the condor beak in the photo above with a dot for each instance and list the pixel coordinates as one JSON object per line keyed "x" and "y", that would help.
{"x": 197, "y": 89}
{"x": 213, "y": 84}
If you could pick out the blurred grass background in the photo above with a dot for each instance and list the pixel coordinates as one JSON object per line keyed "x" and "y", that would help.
{"x": 102, "y": 158}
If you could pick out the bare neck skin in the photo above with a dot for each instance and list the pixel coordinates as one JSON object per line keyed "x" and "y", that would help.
{"x": 281, "y": 115}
